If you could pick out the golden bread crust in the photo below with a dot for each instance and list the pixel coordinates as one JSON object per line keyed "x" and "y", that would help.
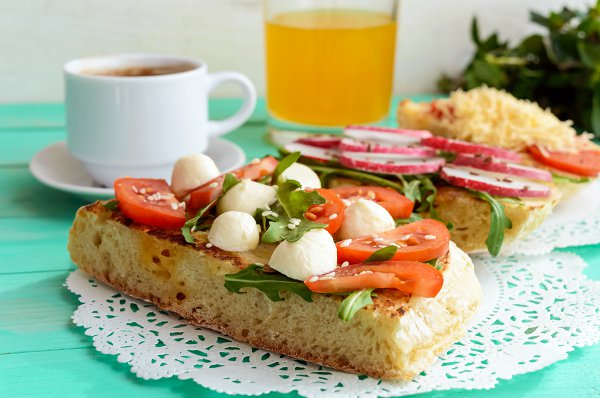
{"x": 396, "y": 337}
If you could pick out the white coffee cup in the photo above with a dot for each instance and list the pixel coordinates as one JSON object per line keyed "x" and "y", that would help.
{"x": 140, "y": 125}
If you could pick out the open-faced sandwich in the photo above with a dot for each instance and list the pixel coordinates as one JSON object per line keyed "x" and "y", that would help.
{"x": 484, "y": 194}
{"x": 340, "y": 277}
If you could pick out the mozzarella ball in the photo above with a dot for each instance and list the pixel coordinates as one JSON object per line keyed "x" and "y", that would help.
{"x": 191, "y": 171}
{"x": 234, "y": 231}
{"x": 303, "y": 174}
{"x": 313, "y": 254}
{"x": 247, "y": 196}
{"x": 364, "y": 217}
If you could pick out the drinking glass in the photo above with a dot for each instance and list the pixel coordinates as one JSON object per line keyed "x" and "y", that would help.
{"x": 329, "y": 63}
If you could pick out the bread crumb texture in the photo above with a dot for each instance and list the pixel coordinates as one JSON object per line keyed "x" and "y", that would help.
{"x": 397, "y": 337}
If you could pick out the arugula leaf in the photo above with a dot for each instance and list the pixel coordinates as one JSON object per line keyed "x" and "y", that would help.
{"x": 411, "y": 190}
{"x": 229, "y": 182}
{"x": 574, "y": 180}
{"x": 413, "y": 217}
{"x": 271, "y": 284}
{"x": 354, "y": 302}
{"x": 195, "y": 222}
{"x": 383, "y": 254}
{"x": 284, "y": 164}
{"x": 111, "y": 205}
{"x": 293, "y": 202}
{"x": 433, "y": 263}
{"x": 326, "y": 172}
{"x": 498, "y": 223}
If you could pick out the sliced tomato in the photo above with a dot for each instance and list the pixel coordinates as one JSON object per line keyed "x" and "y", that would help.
{"x": 204, "y": 194}
{"x": 584, "y": 162}
{"x": 421, "y": 240}
{"x": 150, "y": 202}
{"x": 398, "y": 205}
{"x": 407, "y": 276}
{"x": 331, "y": 213}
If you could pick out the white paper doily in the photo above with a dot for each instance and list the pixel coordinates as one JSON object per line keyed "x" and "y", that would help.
{"x": 535, "y": 310}
{"x": 574, "y": 222}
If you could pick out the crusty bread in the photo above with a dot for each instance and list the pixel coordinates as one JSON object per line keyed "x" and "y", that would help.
{"x": 471, "y": 217}
{"x": 397, "y": 337}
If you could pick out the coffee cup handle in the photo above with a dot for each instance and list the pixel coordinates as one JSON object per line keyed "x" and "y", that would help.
{"x": 219, "y": 127}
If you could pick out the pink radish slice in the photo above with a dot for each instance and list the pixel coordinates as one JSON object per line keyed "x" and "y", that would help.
{"x": 457, "y": 146}
{"x": 394, "y": 164}
{"x": 312, "y": 152}
{"x": 493, "y": 183}
{"x": 352, "y": 145}
{"x": 321, "y": 141}
{"x": 386, "y": 135}
{"x": 500, "y": 166}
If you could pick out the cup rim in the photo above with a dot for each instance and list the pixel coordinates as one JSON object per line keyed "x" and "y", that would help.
{"x": 74, "y": 67}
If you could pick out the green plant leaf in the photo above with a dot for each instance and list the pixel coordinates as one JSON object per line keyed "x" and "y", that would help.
{"x": 293, "y": 202}
{"x": 498, "y": 222}
{"x": 284, "y": 164}
{"x": 229, "y": 182}
{"x": 413, "y": 217}
{"x": 271, "y": 284}
{"x": 326, "y": 172}
{"x": 573, "y": 180}
{"x": 111, "y": 204}
{"x": 354, "y": 302}
{"x": 195, "y": 222}
{"x": 383, "y": 254}
{"x": 595, "y": 114}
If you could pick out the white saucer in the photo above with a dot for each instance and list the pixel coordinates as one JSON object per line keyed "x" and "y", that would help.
{"x": 55, "y": 167}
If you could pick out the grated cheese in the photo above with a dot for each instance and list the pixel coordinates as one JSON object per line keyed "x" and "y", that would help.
{"x": 489, "y": 116}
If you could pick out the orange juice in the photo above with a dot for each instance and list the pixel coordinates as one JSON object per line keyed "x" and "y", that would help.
{"x": 330, "y": 67}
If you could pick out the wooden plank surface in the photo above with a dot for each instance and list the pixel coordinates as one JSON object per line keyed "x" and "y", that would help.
{"x": 43, "y": 354}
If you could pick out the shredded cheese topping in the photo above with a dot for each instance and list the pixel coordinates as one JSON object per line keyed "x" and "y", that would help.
{"x": 489, "y": 116}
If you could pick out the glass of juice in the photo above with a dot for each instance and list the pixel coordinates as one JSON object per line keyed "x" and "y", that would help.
{"x": 329, "y": 63}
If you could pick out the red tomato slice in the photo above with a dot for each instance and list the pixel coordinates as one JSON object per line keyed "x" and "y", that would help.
{"x": 150, "y": 202}
{"x": 407, "y": 276}
{"x": 203, "y": 195}
{"x": 331, "y": 213}
{"x": 421, "y": 240}
{"x": 398, "y": 205}
{"x": 584, "y": 162}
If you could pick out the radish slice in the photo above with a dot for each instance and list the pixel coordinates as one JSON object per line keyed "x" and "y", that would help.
{"x": 493, "y": 183}
{"x": 500, "y": 166}
{"x": 312, "y": 152}
{"x": 321, "y": 141}
{"x": 352, "y": 145}
{"x": 384, "y": 163}
{"x": 386, "y": 135}
{"x": 457, "y": 146}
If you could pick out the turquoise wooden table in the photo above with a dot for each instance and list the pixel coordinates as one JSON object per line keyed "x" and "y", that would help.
{"x": 42, "y": 353}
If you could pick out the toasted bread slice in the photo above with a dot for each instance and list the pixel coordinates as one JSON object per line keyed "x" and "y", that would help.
{"x": 471, "y": 217}
{"x": 397, "y": 337}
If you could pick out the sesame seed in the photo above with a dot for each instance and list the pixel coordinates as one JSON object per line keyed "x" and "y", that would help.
{"x": 345, "y": 264}
{"x": 326, "y": 278}
{"x": 365, "y": 273}
{"x": 329, "y": 274}
{"x": 213, "y": 185}
{"x": 405, "y": 237}
{"x": 377, "y": 240}
{"x": 346, "y": 243}
{"x": 294, "y": 221}
{"x": 209, "y": 245}
{"x": 381, "y": 246}
{"x": 255, "y": 161}
{"x": 193, "y": 229}
{"x": 291, "y": 226}
{"x": 266, "y": 213}
{"x": 313, "y": 279}
{"x": 143, "y": 191}
{"x": 182, "y": 205}
{"x": 374, "y": 236}
{"x": 150, "y": 198}
{"x": 134, "y": 188}
{"x": 333, "y": 216}
{"x": 346, "y": 202}
{"x": 430, "y": 237}
{"x": 174, "y": 206}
